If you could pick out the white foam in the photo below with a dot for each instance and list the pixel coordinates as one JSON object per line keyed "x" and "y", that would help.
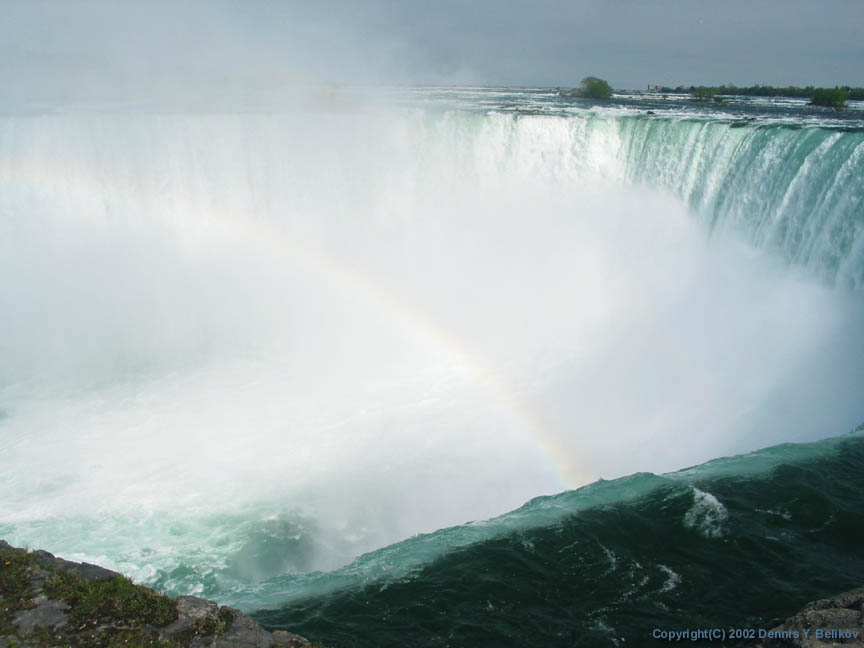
{"x": 673, "y": 579}
{"x": 707, "y": 515}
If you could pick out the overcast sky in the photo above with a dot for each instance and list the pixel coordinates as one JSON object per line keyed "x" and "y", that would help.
{"x": 62, "y": 47}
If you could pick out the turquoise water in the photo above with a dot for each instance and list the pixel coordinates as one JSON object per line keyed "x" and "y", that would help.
{"x": 713, "y": 546}
{"x": 777, "y": 186}
{"x": 285, "y": 356}
{"x": 778, "y": 173}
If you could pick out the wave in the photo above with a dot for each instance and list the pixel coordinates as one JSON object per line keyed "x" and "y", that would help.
{"x": 605, "y": 565}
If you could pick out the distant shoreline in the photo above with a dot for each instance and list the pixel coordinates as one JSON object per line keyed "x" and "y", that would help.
{"x": 792, "y": 92}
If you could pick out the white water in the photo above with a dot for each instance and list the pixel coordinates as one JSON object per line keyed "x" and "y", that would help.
{"x": 246, "y": 343}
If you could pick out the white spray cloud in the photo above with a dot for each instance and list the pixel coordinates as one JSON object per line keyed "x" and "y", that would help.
{"x": 388, "y": 321}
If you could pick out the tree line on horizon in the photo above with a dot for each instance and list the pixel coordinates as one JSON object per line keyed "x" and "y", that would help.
{"x": 595, "y": 88}
{"x": 759, "y": 90}
{"x": 835, "y": 97}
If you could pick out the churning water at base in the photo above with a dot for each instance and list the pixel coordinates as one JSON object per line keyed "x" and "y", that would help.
{"x": 242, "y": 346}
{"x": 733, "y": 543}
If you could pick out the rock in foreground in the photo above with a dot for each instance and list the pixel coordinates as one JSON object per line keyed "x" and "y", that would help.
{"x": 835, "y": 621}
{"x": 46, "y": 601}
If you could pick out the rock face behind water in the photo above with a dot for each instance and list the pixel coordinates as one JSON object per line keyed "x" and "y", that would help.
{"x": 835, "y": 621}
{"x": 47, "y": 601}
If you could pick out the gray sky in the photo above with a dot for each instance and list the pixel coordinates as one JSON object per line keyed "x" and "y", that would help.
{"x": 63, "y": 48}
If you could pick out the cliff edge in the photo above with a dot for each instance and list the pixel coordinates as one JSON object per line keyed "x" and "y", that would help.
{"x": 47, "y": 601}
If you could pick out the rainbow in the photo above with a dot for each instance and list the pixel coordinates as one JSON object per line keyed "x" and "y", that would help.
{"x": 81, "y": 190}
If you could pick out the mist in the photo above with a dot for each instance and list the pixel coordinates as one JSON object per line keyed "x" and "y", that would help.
{"x": 370, "y": 325}
{"x": 182, "y": 54}
{"x": 240, "y": 304}
{"x": 266, "y": 53}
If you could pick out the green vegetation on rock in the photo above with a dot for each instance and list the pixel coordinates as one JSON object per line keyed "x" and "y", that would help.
{"x": 16, "y": 568}
{"x": 829, "y": 98}
{"x": 118, "y": 599}
{"x": 104, "y": 613}
{"x": 593, "y": 88}
{"x": 48, "y": 602}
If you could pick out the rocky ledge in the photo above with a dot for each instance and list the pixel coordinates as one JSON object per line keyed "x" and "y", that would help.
{"x": 46, "y": 601}
{"x": 835, "y": 621}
